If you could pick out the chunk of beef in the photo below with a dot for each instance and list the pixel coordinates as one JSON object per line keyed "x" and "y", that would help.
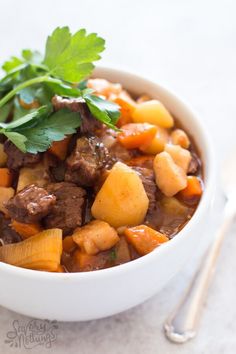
{"x": 194, "y": 164}
{"x": 116, "y": 151}
{"x": 54, "y": 168}
{"x": 120, "y": 153}
{"x": 145, "y": 161}
{"x": 31, "y": 204}
{"x": 7, "y": 234}
{"x": 17, "y": 159}
{"x": 58, "y": 172}
{"x": 148, "y": 180}
{"x": 85, "y": 164}
{"x": 74, "y": 104}
{"x": 67, "y": 213}
{"x": 88, "y": 123}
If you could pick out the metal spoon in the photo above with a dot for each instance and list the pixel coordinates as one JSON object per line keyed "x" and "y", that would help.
{"x": 181, "y": 325}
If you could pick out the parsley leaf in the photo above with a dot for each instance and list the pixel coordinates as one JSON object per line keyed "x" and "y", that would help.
{"x": 27, "y": 57}
{"x": 4, "y": 111}
{"x": 31, "y": 56}
{"x": 17, "y": 139}
{"x": 105, "y": 111}
{"x": 64, "y": 90}
{"x": 44, "y": 94}
{"x": 36, "y": 131}
{"x": 54, "y": 128}
{"x": 82, "y": 85}
{"x": 11, "y": 64}
{"x": 69, "y": 57}
{"x": 25, "y": 120}
{"x": 56, "y": 44}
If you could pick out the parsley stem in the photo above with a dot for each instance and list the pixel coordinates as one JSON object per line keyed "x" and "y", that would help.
{"x": 36, "y": 80}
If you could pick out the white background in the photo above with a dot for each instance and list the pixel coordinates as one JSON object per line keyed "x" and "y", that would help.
{"x": 189, "y": 46}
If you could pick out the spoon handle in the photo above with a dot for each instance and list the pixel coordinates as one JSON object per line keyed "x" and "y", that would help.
{"x": 182, "y": 323}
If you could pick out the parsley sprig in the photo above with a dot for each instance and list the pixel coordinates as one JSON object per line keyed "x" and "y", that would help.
{"x": 36, "y": 131}
{"x": 68, "y": 61}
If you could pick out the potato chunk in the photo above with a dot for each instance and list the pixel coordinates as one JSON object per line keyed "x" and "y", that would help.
{"x": 32, "y": 175}
{"x": 153, "y": 112}
{"x": 96, "y": 236}
{"x": 173, "y": 206}
{"x": 179, "y": 137}
{"x": 181, "y": 157}
{"x": 122, "y": 199}
{"x": 170, "y": 178}
{"x": 158, "y": 143}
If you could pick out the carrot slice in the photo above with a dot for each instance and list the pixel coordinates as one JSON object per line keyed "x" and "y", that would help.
{"x": 5, "y": 177}
{"x": 25, "y": 105}
{"x": 144, "y": 239}
{"x": 193, "y": 189}
{"x": 59, "y": 148}
{"x": 124, "y": 119}
{"x": 134, "y": 135}
{"x": 25, "y": 230}
{"x": 68, "y": 244}
{"x": 87, "y": 262}
{"x": 127, "y": 107}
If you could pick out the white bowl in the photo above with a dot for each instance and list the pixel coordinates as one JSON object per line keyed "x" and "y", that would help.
{"x": 97, "y": 294}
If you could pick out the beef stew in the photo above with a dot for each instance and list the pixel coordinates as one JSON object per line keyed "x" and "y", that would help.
{"x": 121, "y": 193}
{"x": 90, "y": 176}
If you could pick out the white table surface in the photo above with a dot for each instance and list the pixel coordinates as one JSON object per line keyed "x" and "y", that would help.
{"x": 190, "y": 47}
